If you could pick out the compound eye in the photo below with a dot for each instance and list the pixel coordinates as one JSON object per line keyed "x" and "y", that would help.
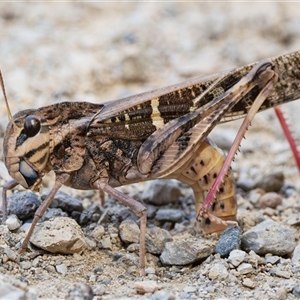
{"x": 32, "y": 126}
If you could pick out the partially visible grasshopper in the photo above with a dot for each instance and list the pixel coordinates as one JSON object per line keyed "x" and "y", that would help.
{"x": 158, "y": 134}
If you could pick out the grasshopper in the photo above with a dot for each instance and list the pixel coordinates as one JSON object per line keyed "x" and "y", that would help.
{"x": 157, "y": 134}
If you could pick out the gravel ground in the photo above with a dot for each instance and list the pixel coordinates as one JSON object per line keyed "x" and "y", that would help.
{"x": 53, "y": 52}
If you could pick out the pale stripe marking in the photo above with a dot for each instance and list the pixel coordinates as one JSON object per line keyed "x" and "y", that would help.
{"x": 156, "y": 118}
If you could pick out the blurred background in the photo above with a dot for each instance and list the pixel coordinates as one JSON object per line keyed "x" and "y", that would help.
{"x": 52, "y": 52}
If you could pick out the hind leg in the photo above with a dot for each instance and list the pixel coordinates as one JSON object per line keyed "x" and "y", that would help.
{"x": 200, "y": 173}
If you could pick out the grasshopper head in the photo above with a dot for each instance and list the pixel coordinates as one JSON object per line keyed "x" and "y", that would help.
{"x": 26, "y": 145}
{"x": 26, "y": 148}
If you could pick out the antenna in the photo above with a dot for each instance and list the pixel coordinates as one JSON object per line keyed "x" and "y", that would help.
{"x": 11, "y": 119}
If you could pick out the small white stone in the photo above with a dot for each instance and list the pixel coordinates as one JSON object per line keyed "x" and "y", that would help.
{"x": 98, "y": 233}
{"x": 147, "y": 286}
{"x": 129, "y": 232}
{"x": 236, "y": 257}
{"x": 13, "y": 222}
{"x": 11, "y": 255}
{"x": 106, "y": 243}
{"x": 282, "y": 273}
{"x": 247, "y": 282}
{"x": 90, "y": 244}
{"x": 25, "y": 265}
{"x": 62, "y": 269}
{"x": 150, "y": 270}
{"x": 245, "y": 268}
{"x": 293, "y": 219}
{"x": 296, "y": 256}
{"x": 35, "y": 262}
{"x": 78, "y": 257}
{"x": 274, "y": 259}
{"x": 218, "y": 272}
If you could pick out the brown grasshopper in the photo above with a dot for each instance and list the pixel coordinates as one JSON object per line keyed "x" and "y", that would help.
{"x": 158, "y": 134}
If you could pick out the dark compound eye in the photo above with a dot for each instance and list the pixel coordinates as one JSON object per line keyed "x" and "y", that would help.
{"x": 32, "y": 126}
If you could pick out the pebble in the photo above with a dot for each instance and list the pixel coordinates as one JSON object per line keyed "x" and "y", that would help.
{"x": 245, "y": 268}
{"x": 270, "y": 199}
{"x": 80, "y": 291}
{"x": 236, "y": 257}
{"x": 254, "y": 196}
{"x": 271, "y": 182}
{"x": 151, "y": 211}
{"x": 229, "y": 240}
{"x": 11, "y": 255}
{"x": 255, "y": 259}
{"x": 282, "y": 273}
{"x": 23, "y": 204}
{"x": 296, "y": 291}
{"x": 50, "y": 269}
{"x": 156, "y": 238}
{"x": 247, "y": 282}
{"x": 60, "y": 235}
{"x": 150, "y": 270}
{"x": 62, "y": 269}
{"x": 90, "y": 243}
{"x": 169, "y": 215}
{"x": 25, "y": 265}
{"x": 296, "y": 256}
{"x": 163, "y": 294}
{"x": 92, "y": 214}
{"x": 5, "y": 235}
{"x": 83, "y": 219}
{"x": 218, "y": 271}
{"x": 78, "y": 257}
{"x": 64, "y": 201}
{"x": 273, "y": 259}
{"x": 106, "y": 243}
{"x": 129, "y": 232}
{"x": 293, "y": 219}
{"x": 35, "y": 263}
{"x": 98, "y": 232}
{"x": 25, "y": 227}
{"x": 125, "y": 214}
{"x": 161, "y": 192}
{"x": 13, "y": 222}
{"x": 183, "y": 252}
{"x": 134, "y": 247}
{"x": 267, "y": 237}
{"x": 146, "y": 286}
{"x": 98, "y": 291}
